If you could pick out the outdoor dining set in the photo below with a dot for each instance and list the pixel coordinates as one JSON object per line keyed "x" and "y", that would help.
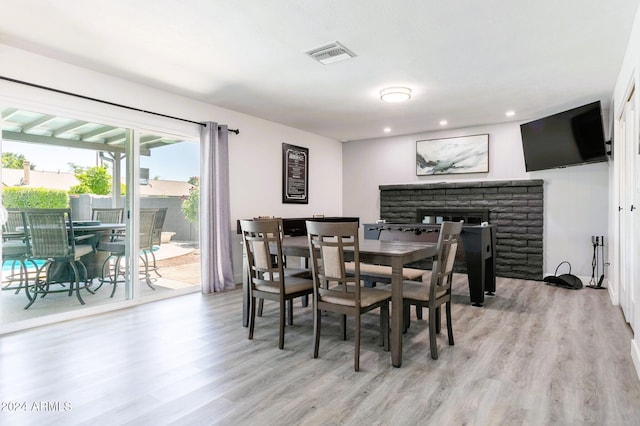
{"x": 44, "y": 251}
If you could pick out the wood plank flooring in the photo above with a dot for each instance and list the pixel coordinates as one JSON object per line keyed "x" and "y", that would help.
{"x": 534, "y": 355}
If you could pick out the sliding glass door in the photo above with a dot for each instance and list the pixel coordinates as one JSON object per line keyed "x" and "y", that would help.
{"x": 115, "y": 181}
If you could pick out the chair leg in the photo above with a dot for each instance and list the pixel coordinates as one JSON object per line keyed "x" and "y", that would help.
{"x": 381, "y": 333}
{"x": 356, "y": 365}
{"x": 155, "y": 266}
{"x": 260, "y": 306}
{"x": 438, "y": 320}
{"x": 449, "y": 325}
{"x": 406, "y": 316}
{"x": 316, "y": 332}
{"x": 290, "y": 311}
{"x": 282, "y": 319}
{"x": 36, "y": 285}
{"x": 343, "y": 327}
{"x": 432, "y": 333}
{"x": 385, "y": 329}
{"x": 87, "y": 281}
{"x": 116, "y": 272}
{"x": 252, "y": 316}
{"x": 76, "y": 275}
{"x": 147, "y": 275}
{"x": 419, "y": 312}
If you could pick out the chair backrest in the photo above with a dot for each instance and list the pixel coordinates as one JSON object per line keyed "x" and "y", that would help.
{"x": 272, "y": 218}
{"x": 330, "y": 245}
{"x": 161, "y": 214}
{"x": 147, "y": 228}
{"x": 259, "y": 237}
{"x": 107, "y": 215}
{"x": 442, "y": 270}
{"x": 49, "y": 232}
{"x": 14, "y": 220}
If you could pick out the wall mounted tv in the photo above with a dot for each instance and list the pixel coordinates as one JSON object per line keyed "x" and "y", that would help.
{"x": 568, "y": 138}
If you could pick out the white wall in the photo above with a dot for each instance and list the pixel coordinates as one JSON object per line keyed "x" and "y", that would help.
{"x": 575, "y": 202}
{"x": 255, "y": 154}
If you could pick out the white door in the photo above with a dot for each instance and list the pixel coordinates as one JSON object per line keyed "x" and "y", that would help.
{"x": 634, "y": 143}
{"x": 629, "y": 155}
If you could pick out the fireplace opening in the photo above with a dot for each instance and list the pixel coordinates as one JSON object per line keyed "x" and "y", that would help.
{"x": 470, "y": 216}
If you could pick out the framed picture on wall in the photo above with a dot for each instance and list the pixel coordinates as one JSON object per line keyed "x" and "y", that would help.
{"x": 464, "y": 154}
{"x": 295, "y": 174}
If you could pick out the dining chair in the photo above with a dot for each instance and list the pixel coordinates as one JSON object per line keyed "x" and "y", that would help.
{"x": 113, "y": 272}
{"x": 335, "y": 290}
{"x": 266, "y": 275}
{"x": 52, "y": 240}
{"x": 289, "y": 271}
{"x": 435, "y": 289}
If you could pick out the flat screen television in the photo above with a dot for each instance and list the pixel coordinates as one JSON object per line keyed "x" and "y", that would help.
{"x": 568, "y": 138}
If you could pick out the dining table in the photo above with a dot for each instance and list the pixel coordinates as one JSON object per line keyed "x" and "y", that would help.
{"x": 88, "y": 232}
{"x": 96, "y": 231}
{"x": 395, "y": 254}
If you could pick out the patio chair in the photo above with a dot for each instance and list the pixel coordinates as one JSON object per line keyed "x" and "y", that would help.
{"x": 156, "y": 237}
{"x": 15, "y": 248}
{"x": 112, "y": 267}
{"x": 51, "y": 239}
{"x": 107, "y": 215}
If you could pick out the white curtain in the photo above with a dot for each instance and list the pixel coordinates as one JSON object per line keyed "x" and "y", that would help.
{"x": 215, "y": 228}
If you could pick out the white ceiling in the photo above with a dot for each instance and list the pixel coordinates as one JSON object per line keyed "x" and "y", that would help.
{"x": 466, "y": 61}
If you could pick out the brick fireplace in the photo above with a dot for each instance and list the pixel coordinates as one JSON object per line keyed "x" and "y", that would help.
{"x": 514, "y": 207}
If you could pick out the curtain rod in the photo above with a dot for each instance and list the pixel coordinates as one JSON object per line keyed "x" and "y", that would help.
{"x": 89, "y": 98}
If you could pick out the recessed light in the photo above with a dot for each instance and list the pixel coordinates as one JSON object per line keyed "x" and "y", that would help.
{"x": 510, "y": 113}
{"x": 387, "y": 129}
{"x": 443, "y": 122}
{"x": 395, "y": 94}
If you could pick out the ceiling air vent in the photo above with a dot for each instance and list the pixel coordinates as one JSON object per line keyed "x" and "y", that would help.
{"x": 331, "y": 53}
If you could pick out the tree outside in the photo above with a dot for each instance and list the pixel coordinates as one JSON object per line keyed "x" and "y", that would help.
{"x": 93, "y": 180}
{"x": 191, "y": 202}
{"x": 11, "y": 160}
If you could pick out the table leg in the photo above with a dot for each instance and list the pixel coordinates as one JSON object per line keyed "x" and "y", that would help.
{"x": 245, "y": 293}
{"x": 396, "y": 313}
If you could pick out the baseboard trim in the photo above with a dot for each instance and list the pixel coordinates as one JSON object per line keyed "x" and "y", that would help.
{"x": 635, "y": 355}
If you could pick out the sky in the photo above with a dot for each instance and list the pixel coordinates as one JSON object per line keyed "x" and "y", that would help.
{"x": 177, "y": 162}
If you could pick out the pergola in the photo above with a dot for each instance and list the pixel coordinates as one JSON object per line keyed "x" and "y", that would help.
{"x": 109, "y": 141}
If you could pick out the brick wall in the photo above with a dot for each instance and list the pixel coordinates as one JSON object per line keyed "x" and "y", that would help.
{"x": 515, "y": 207}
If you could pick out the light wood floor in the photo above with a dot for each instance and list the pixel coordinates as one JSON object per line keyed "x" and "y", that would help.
{"x": 534, "y": 355}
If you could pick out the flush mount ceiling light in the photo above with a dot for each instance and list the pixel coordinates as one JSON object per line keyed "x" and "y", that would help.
{"x": 395, "y": 94}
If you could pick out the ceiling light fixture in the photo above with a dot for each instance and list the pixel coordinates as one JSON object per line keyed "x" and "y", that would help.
{"x": 510, "y": 113}
{"x": 387, "y": 129}
{"x": 443, "y": 122}
{"x": 395, "y": 94}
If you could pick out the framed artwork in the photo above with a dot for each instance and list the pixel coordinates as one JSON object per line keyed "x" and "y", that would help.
{"x": 295, "y": 174}
{"x": 464, "y": 154}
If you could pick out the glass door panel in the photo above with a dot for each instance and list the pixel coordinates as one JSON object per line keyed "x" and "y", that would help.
{"x": 169, "y": 170}
{"x": 58, "y": 162}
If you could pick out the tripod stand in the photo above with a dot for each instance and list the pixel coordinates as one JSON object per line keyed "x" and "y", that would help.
{"x": 597, "y": 242}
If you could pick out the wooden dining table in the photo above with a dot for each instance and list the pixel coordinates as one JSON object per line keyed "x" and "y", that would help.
{"x": 395, "y": 254}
